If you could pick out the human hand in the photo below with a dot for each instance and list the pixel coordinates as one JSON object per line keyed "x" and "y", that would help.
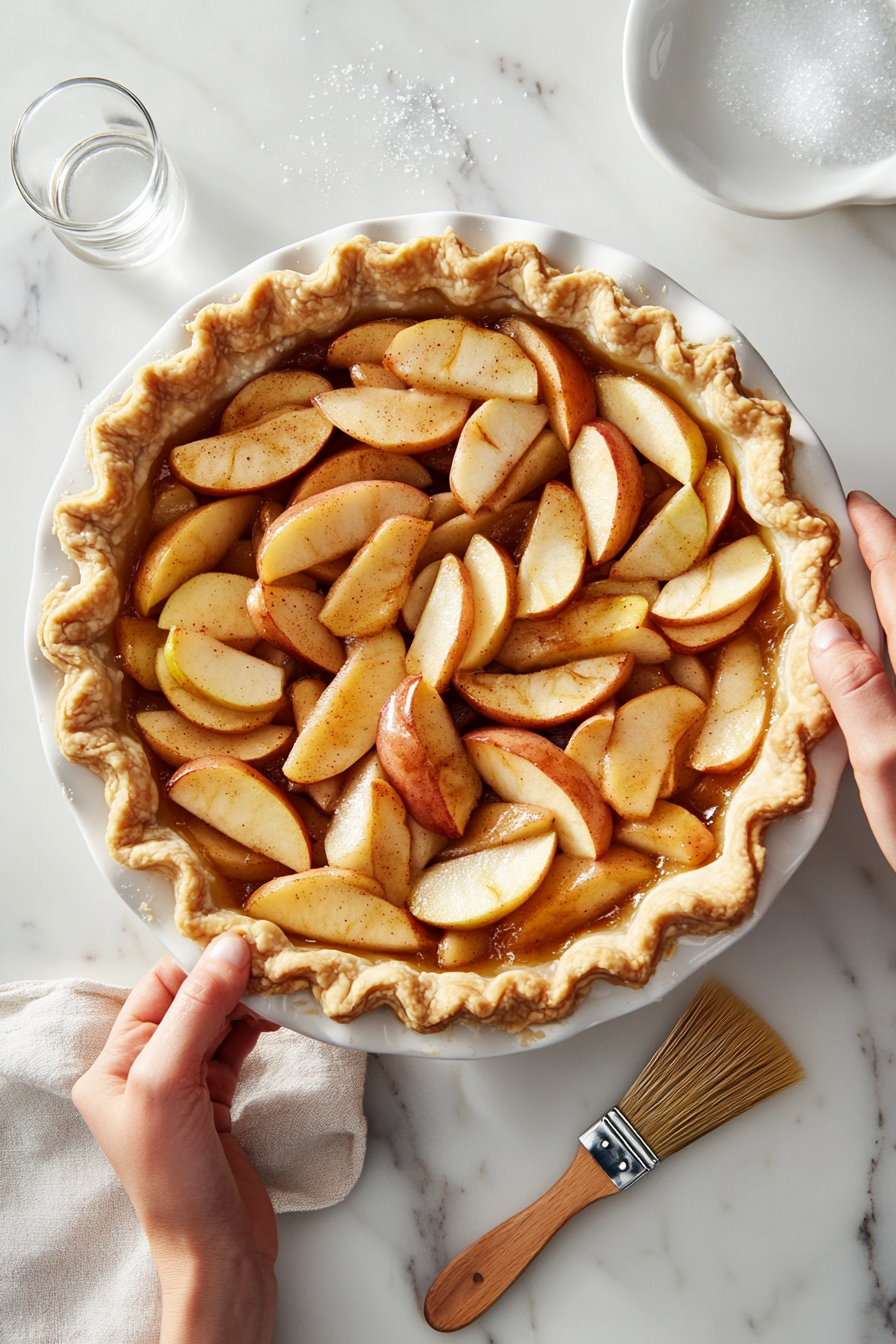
{"x": 158, "y": 1102}
{"x": 855, "y": 681}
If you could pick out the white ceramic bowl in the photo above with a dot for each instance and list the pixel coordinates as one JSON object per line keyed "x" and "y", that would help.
{"x": 788, "y": 841}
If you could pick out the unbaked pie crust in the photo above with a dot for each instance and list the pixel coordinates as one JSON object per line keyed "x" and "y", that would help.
{"x": 233, "y": 343}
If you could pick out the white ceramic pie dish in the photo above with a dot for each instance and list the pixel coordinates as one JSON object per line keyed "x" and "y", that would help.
{"x": 788, "y": 840}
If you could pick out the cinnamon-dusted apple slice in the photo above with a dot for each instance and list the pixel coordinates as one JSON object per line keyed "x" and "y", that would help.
{"x": 444, "y": 627}
{"x": 491, "y": 443}
{"x": 169, "y": 503}
{"x": 366, "y": 343}
{"x": 564, "y": 383}
{"x": 448, "y": 354}
{"x": 360, "y": 463}
{"x": 369, "y": 832}
{"x": 232, "y": 859}
{"x": 738, "y": 709}
{"x": 699, "y": 638}
{"x": 494, "y": 584}
{"x": 227, "y": 676}
{"x": 554, "y": 695}
{"x": 443, "y": 507}
{"x": 400, "y": 421}
{"x": 575, "y": 893}
{"x": 213, "y": 604}
{"x": 495, "y": 824}
{"x": 460, "y": 947}
{"x": 553, "y": 559}
{"x": 717, "y": 493}
{"x": 523, "y": 767}
{"x": 138, "y": 641}
{"x": 642, "y": 745}
{"x": 420, "y": 751}
{"x": 686, "y": 670}
{"x": 726, "y": 580}
{"x": 375, "y": 375}
{"x": 205, "y": 713}
{"x": 669, "y": 544}
{"x": 658, "y": 427}
{"x": 342, "y": 726}
{"x": 255, "y": 457}
{"x": 236, "y": 799}
{"x": 589, "y": 741}
{"x": 607, "y": 478}
{"x": 418, "y": 595}
{"x": 369, "y": 595}
{"x": 425, "y": 844}
{"x": 648, "y": 588}
{"x": 479, "y": 889}
{"x": 337, "y": 906}
{"x": 303, "y": 696}
{"x": 670, "y": 832}
{"x": 191, "y": 545}
{"x": 177, "y": 740}
{"x": 332, "y": 524}
{"x": 453, "y": 537}
{"x": 272, "y": 392}
{"x": 580, "y": 631}
{"x": 268, "y": 512}
{"x": 542, "y": 461}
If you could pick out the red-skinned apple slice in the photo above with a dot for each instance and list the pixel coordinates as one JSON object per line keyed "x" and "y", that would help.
{"x": 236, "y": 799}
{"x": 366, "y": 343}
{"x": 479, "y": 889}
{"x": 728, "y": 579}
{"x": 255, "y": 457}
{"x": 607, "y": 478}
{"x": 213, "y": 604}
{"x": 575, "y": 893}
{"x": 553, "y": 558}
{"x": 554, "y": 695}
{"x": 522, "y": 767}
{"x": 669, "y": 544}
{"x": 227, "y": 676}
{"x": 563, "y": 381}
{"x": 445, "y": 626}
{"x": 272, "y": 392}
{"x": 138, "y": 641}
{"x": 177, "y": 740}
{"x": 327, "y": 526}
{"x": 493, "y": 579}
{"x": 491, "y": 443}
{"x": 452, "y": 355}
{"x": 642, "y": 746}
{"x": 360, "y": 463}
{"x": 655, "y": 424}
{"x": 368, "y": 596}
{"x": 420, "y": 751}
{"x": 399, "y": 421}
{"x": 191, "y": 545}
{"x": 670, "y": 832}
{"x": 337, "y": 906}
{"x": 738, "y": 709}
{"x": 290, "y": 619}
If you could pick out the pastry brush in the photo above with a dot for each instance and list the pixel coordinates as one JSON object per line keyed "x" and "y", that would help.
{"x": 720, "y": 1060}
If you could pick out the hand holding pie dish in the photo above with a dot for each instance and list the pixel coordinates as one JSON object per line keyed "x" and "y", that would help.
{"x": 492, "y": 697}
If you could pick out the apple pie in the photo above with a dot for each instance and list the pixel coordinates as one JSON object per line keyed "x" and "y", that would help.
{"x": 441, "y": 628}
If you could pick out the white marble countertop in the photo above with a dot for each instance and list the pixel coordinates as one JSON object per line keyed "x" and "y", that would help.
{"x": 287, "y": 119}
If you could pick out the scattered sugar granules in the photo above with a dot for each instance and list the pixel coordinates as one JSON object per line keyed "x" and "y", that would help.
{"x": 817, "y": 76}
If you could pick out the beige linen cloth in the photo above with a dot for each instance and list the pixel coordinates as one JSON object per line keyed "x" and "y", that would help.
{"x": 74, "y": 1264}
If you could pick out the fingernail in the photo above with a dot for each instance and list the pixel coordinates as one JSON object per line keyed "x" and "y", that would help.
{"x": 862, "y": 497}
{"x": 827, "y": 633}
{"x": 229, "y": 947}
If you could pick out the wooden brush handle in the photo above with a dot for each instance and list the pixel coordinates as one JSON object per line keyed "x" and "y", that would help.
{"x": 479, "y": 1275}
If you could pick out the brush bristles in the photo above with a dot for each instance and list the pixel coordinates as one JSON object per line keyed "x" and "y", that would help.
{"x": 720, "y": 1060}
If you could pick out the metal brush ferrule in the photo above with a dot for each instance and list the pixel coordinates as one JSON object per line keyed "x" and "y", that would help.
{"x": 618, "y": 1148}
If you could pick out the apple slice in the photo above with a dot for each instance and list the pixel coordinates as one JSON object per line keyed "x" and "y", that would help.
{"x": 607, "y": 478}
{"x": 648, "y": 588}
{"x": 232, "y": 860}
{"x": 400, "y": 421}
{"x": 644, "y": 678}
{"x": 444, "y": 627}
{"x": 375, "y": 375}
{"x": 729, "y": 578}
{"x": 588, "y": 743}
{"x": 369, "y": 595}
{"x": 580, "y": 631}
{"x": 205, "y": 713}
{"x": 369, "y": 832}
{"x": 303, "y": 696}
{"x": 342, "y": 727}
{"x": 453, "y": 537}
{"x": 686, "y": 670}
{"x": 191, "y": 545}
{"x": 236, "y": 799}
{"x": 553, "y": 558}
{"x": 669, "y": 544}
{"x": 542, "y": 461}
{"x": 169, "y": 503}
{"x": 425, "y": 844}
{"x": 367, "y": 343}
{"x": 493, "y": 580}
{"x": 522, "y": 767}
{"x": 554, "y": 695}
{"x": 576, "y": 893}
{"x": 360, "y": 463}
{"x": 564, "y": 383}
{"x": 422, "y": 755}
{"x": 240, "y": 559}
{"x": 479, "y": 889}
{"x": 699, "y": 638}
{"x": 213, "y": 604}
{"x": 670, "y": 832}
{"x": 290, "y": 619}
{"x": 717, "y": 494}
{"x": 738, "y": 709}
{"x": 448, "y": 354}
{"x": 227, "y": 676}
{"x": 255, "y": 457}
{"x": 496, "y": 824}
{"x": 177, "y": 740}
{"x": 418, "y": 595}
{"x": 443, "y": 507}
{"x": 642, "y": 746}
{"x": 338, "y": 906}
{"x": 491, "y": 443}
{"x": 138, "y": 641}
{"x": 272, "y": 392}
{"x": 331, "y": 524}
{"x": 654, "y": 424}
{"x": 460, "y": 947}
